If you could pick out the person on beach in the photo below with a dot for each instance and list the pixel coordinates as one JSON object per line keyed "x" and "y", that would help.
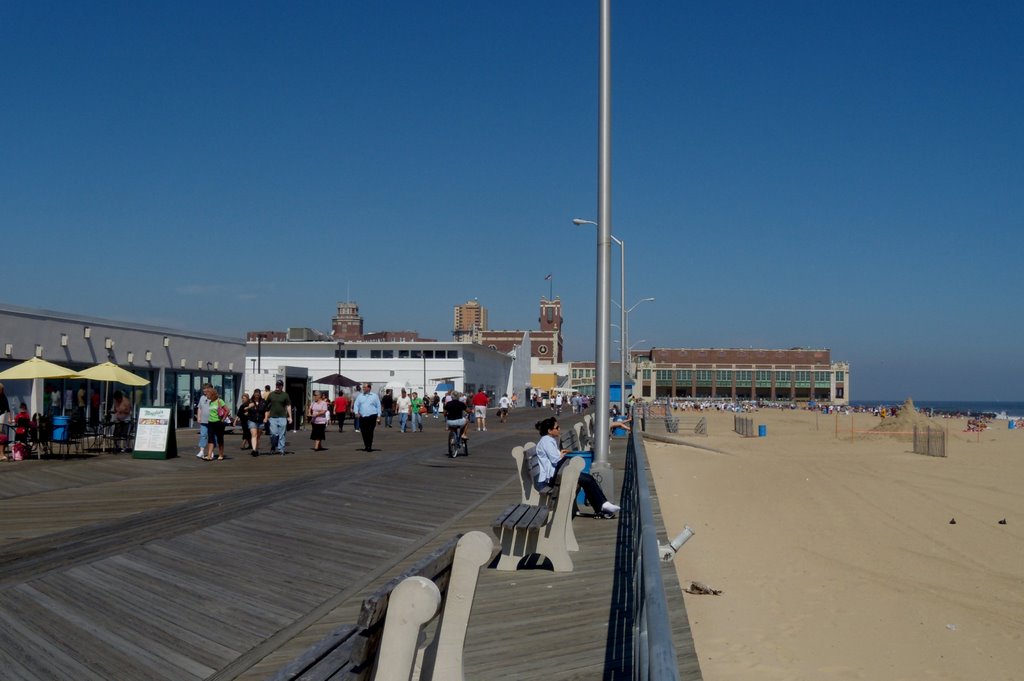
{"x": 318, "y": 420}
{"x": 548, "y": 457}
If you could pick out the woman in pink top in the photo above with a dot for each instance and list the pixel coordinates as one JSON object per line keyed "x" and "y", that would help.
{"x": 318, "y": 419}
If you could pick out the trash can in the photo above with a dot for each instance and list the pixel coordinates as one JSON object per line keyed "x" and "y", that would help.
{"x": 1011, "y": 424}
{"x": 588, "y": 458}
{"x": 60, "y": 428}
{"x": 618, "y": 432}
{"x": 762, "y": 430}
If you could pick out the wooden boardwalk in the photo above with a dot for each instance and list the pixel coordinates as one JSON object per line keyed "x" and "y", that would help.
{"x": 114, "y": 568}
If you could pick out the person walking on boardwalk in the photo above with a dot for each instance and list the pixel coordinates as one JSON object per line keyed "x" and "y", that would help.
{"x": 203, "y": 417}
{"x": 480, "y": 401}
{"x": 548, "y": 457}
{"x": 367, "y": 411}
{"x": 242, "y": 414}
{"x": 503, "y": 406}
{"x": 404, "y": 406}
{"x": 254, "y": 420}
{"x": 318, "y": 420}
{"x": 279, "y": 416}
{"x": 387, "y": 404}
{"x": 340, "y": 411}
{"x": 217, "y": 419}
{"x": 418, "y": 410}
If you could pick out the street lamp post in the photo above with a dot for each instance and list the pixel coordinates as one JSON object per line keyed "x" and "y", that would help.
{"x": 625, "y": 325}
{"x": 622, "y": 316}
{"x": 338, "y": 353}
{"x": 601, "y": 469}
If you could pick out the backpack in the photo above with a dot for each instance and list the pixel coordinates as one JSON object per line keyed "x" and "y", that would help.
{"x": 19, "y": 451}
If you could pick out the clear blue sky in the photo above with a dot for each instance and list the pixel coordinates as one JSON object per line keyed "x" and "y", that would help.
{"x": 842, "y": 175}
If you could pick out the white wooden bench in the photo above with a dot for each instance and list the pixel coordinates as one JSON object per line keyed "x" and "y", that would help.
{"x": 541, "y": 529}
{"x": 385, "y": 645}
{"x": 530, "y": 495}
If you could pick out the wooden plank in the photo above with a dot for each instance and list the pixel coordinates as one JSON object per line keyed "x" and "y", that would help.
{"x": 313, "y": 656}
{"x": 297, "y": 542}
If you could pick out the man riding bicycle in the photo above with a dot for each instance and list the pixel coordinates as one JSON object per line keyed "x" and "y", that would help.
{"x": 455, "y": 414}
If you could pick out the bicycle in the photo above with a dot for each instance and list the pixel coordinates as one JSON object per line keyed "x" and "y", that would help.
{"x": 457, "y": 445}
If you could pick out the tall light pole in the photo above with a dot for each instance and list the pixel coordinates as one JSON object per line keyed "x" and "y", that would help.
{"x": 625, "y": 326}
{"x": 622, "y": 317}
{"x": 601, "y": 468}
{"x": 338, "y": 353}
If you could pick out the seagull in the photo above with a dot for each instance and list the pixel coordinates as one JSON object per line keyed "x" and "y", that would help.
{"x": 1003, "y": 521}
{"x": 952, "y": 521}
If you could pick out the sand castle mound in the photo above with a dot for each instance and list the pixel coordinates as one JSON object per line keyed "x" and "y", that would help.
{"x": 905, "y": 421}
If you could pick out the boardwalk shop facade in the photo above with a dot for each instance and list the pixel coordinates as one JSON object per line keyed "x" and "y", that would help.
{"x": 423, "y": 366}
{"x": 175, "y": 362}
{"x": 794, "y": 375}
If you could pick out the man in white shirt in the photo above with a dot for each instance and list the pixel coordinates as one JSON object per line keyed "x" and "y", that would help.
{"x": 404, "y": 406}
{"x": 503, "y": 405}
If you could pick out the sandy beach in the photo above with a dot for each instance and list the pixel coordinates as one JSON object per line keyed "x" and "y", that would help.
{"x": 836, "y": 556}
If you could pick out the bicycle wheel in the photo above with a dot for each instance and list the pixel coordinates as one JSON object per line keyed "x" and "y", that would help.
{"x": 465, "y": 447}
{"x": 452, "y": 445}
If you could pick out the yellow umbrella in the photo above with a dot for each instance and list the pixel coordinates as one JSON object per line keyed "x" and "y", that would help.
{"x": 36, "y": 368}
{"x": 110, "y": 372}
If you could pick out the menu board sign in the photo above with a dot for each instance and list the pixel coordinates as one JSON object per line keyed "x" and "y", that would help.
{"x": 154, "y": 434}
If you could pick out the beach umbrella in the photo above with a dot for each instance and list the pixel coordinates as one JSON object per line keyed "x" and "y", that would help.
{"x": 111, "y": 373}
{"x": 36, "y": 368}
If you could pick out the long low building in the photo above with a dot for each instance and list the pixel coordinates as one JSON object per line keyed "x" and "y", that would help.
{"x": 796, "y": 374}
{"x": 175, "y": 362}
{"x": 422, "y": 366}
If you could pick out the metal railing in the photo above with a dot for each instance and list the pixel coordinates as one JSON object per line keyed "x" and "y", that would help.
{"x": 654, "y": 654}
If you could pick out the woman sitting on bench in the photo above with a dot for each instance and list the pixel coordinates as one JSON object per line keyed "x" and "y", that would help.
{"x": 547, "y": 458}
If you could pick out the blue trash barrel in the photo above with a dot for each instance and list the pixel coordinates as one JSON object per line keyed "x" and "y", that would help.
{"x": 762, "y": 430}
{"x": 618, "y": 432}
{"x": 1011, "y": 424}
{"x": 588, "y": 458}
{"x": 60, "y": 428}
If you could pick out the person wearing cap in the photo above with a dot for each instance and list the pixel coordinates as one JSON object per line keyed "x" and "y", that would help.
{"x": 278, "y": 416}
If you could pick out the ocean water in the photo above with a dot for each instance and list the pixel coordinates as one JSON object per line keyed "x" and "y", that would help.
{"x": 1012, "y": 409}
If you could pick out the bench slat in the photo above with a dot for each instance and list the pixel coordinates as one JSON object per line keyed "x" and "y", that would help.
{"x": 525, "y": 516}
{"x": 316, "y": 653}
{"x": 335, "y": 665}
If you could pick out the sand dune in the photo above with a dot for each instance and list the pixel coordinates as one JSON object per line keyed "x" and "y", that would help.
{"x": 836, "y": 556}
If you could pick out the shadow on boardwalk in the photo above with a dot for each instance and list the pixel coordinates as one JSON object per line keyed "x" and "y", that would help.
{"x": 114, "y": 568}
